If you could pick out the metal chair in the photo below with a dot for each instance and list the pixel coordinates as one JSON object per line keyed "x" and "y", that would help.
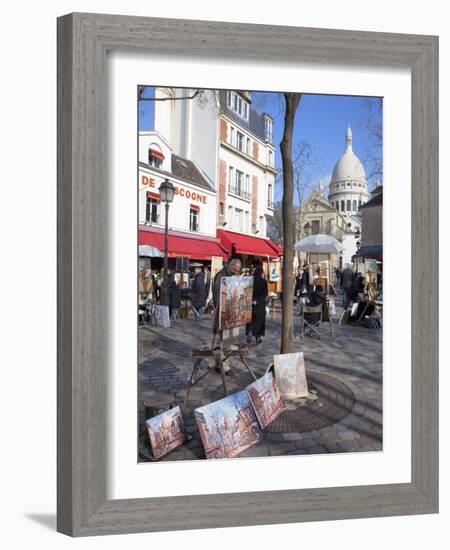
{"x": 311, "y": 316}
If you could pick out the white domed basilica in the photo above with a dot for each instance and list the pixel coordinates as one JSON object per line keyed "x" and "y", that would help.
{"x": 348, "y": 186}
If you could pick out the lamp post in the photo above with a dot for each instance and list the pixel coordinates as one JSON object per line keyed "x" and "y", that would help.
{"x": 166, "y": 193}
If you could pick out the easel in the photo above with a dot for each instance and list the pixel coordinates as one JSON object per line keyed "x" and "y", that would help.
{"x": 228, "y": 348}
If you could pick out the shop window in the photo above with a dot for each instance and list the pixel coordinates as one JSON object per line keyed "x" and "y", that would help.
{"x": 152, "y": 208}
{"x": 194, "y": 218}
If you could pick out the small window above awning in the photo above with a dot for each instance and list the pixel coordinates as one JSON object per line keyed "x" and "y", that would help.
{"x": 157, "y": 154}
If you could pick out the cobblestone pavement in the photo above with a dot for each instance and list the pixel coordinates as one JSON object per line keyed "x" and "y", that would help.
{"x": 345, "y": 372}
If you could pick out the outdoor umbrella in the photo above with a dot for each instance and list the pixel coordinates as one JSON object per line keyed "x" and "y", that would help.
{"x": 319, "y": 244}
{"x": 151, "y": 251}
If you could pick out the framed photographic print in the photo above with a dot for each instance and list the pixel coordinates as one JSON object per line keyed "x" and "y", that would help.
{"x": 182, "y": 168}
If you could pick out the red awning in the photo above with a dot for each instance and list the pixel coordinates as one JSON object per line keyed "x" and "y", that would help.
{"x": 237, "y": 243}
{"x": 189, "y": 247}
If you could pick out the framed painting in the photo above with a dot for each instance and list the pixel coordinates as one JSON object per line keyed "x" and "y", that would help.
{"x": 99, "y": 58}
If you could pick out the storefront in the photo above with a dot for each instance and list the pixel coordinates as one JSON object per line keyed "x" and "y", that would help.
{"x": 253, "y": 251}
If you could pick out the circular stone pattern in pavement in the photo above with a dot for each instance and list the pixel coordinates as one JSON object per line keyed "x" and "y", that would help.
{"x": 335, "y": 400}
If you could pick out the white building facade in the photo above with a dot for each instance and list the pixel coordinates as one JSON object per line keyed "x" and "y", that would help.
{"x": 217, "y": 150}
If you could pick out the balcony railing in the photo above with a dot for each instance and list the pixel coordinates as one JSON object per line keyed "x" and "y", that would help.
{"x": 239, "y": 192}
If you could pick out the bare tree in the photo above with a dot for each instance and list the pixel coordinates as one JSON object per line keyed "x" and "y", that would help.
{"x": 292, "y": 101}
{"x": 371, "y": 123}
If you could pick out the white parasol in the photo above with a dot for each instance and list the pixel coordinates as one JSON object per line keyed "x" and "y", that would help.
{"x": 150, "y": 251}
{"x": 319, "y": 244}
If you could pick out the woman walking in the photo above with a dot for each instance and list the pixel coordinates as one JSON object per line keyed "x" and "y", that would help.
{"x": 257, "y": 326}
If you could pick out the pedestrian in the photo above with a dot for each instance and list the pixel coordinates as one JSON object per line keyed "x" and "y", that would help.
{"x": 298, "y": 282}
{"x": 174, "y": 296}
{"x": 346, "y": 283}
{"x": 198, "y": 293}
{"x": 257, "y": 326}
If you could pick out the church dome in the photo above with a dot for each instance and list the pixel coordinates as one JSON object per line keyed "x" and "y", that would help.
{"x": 348, "y": 167}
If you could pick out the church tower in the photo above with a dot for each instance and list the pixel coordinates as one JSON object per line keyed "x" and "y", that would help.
{"x": 348, "y": 186}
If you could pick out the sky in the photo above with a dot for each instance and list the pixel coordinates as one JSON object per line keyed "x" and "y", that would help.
{"x": 321, "y": 121}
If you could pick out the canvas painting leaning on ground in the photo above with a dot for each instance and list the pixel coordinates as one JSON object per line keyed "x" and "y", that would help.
{"x": 216, "y": 259}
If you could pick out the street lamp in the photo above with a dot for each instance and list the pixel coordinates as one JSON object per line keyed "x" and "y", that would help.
{"x": 166, "y": 193}
{"x": 307, "y": 228}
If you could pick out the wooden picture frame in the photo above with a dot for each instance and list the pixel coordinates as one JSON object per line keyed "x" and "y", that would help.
{"x": 83, "y": 42}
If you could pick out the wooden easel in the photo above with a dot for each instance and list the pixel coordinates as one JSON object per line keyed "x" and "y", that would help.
{"x": 226, "y": 349}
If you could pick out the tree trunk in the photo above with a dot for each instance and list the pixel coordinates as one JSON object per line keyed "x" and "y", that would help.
{"x": 287, "y": 321}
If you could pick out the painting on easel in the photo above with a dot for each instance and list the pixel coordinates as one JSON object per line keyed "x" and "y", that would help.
{"x": 266, "y": 399}
{"x": 166, "y": 432}
{"x": 228, "y": 427}
{"x": 236, "y": 296}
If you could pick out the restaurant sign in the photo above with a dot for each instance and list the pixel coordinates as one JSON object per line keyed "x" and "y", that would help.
{"x": 188, "y": 194}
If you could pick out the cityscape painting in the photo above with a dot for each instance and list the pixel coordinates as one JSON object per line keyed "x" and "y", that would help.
{"x": 290, "y": 375}
{"x": 266, "y": 399}
{"x": 236, "y": 294}
{"x": 228, "y": 427}
{"x": 166, "y": 432}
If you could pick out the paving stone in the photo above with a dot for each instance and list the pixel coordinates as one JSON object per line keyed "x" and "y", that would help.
{"x": 354, "y": 357}
{"x": 349, "y": 434}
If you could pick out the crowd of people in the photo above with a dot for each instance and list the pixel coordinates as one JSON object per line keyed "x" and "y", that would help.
{"x": 199, "y": 293}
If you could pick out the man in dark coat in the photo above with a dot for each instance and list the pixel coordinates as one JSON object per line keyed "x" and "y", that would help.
{"x": 257, "y": 326}
{"x": 198, "y": 293}
{"x": 346, "y": 283}
{"x": 174, "y": 295}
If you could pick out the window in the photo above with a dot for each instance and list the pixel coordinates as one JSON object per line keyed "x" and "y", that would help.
{"x": 221, "y": 209}
{"x": 246, "y": 221}
{"x": 239, "y": 182}
{"x": 230, "y": 178}
{"x": 315, "y": 225}
{"x": 238, "y": 104}
{"x": 230, "y": 217}
{"x": 354, "y": 206}
{"x": 268, "y": 124}
{"x": 342, "y": 206}
{"x": 262, "y": 225}
{"x": 152, "y": 208}
{"x": 155, "y": 158}
{"x": 238, "y": 219}
{"x": 270, "y": 158}
{"x": 247, "y": 186}
{"x": 247, "y": 149}
{"x": 194, "y": 218}
{"x": 270, "y": 195}
{"x": 359, "y": 204}
{"x": 240, "y": 141}
{"x": 231, "y": 135}
{"x": 349, "y": 206}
